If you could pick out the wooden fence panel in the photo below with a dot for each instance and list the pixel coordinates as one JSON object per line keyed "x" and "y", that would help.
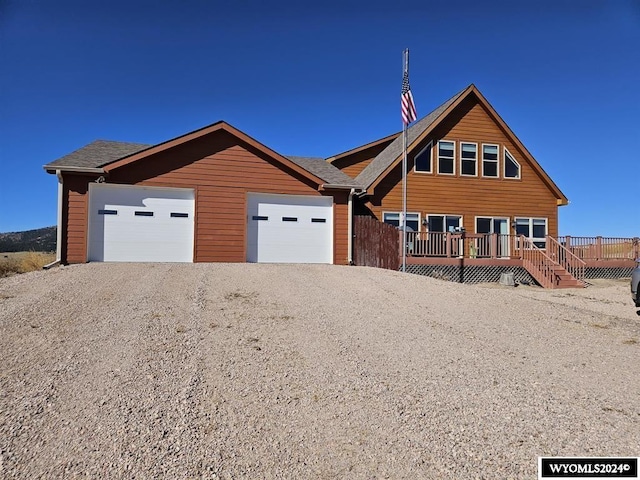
{"x": 376, "y": 244}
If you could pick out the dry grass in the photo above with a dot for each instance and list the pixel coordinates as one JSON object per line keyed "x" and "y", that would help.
{"x": 608, "y": 248}
{"x": 23, "y": 262}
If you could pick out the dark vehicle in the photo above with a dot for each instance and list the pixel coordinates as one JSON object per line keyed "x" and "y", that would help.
{"x": 635, "y": 280}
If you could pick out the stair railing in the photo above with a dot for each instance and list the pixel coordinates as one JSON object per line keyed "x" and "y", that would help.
{"x": 538, "y": 263}
{"x": 570, "y": 262}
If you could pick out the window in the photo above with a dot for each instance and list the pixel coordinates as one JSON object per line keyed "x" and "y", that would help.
{"x": 141, "y": 213}
{"x": 289, "y": 219}
{"x": 489, "y": 160}
{"x": 107, "y": 212}
{"x": 446, "y": 157}
{"x": 468, "y": 159}
{"x": 444, "y": 223}
{"x": 533, "y": 228}
{"x": 492, "y": 225}
{"x": 511, "y": 166}
{"x": 393, "y": 218}
{"x": 438, "y": 245}
{"x": 492, "y": 246}
{"x": 179, "y": 215}
{"x": 318, "y": 220}
{"x": 423, "y": 159}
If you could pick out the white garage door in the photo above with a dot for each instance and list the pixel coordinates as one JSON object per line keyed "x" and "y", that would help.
{"x": 289, "y": 229}
{"x": 140, "y": 224}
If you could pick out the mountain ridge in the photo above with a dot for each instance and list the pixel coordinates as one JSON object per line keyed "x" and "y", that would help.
{"x": 39, "y": 240}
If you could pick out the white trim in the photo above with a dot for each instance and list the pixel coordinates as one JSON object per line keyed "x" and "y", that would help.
{"x": 73, "y": 169}
{"x": 453, "y": 159}
{"x": 338, "y": 186}
{"x": 504, "y": 246}
{"x": 59, "y": 229}
{"x": 531, "y": 219}
{"x": 497, "y": 161}
{"x": 349, "y": 228}
{"x": 444, "y": 215}
{"x": 428, "y": 147}
{"x": 504, "y": 165}
{"x": 475, "y": 222}
{"x": 461, "y": 159}
{"x": 400, "y": 217}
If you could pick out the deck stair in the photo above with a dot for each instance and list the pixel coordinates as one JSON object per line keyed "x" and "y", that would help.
{"x": 554, "y": 267}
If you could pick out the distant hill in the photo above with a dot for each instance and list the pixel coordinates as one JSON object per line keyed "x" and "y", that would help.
{"x": 38, "y": 240}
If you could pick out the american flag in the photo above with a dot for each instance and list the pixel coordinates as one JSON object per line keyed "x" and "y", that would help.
{"x": 407, "y": 106}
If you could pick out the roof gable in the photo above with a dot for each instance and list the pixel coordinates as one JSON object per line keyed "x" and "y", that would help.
{"x": 387, "y": 159}
{"x": 390, "y": 157}
{"x": 107, "y": 156}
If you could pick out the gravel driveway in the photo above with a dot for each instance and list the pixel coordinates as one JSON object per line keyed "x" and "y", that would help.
{"x": 282, "y": 371}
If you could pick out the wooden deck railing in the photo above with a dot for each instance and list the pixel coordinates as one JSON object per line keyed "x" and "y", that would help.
{"x": 538, "y": 263}
{"x": 495, "y": 246}
{"x": 602, "y": 248}
{"x": 570, "y": 262}
{"x": 462, "y": 245}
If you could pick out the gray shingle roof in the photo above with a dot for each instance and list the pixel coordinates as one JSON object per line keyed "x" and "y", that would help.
{"x": 97, "y": 154}
{"x": 101, "y": 152}
{"x": 324, "y": 170}
{"x": 394, "y": 150}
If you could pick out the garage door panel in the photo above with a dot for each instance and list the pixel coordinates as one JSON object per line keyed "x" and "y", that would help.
{"x": 140, "y": 224}
{"x": 289, "y": 229}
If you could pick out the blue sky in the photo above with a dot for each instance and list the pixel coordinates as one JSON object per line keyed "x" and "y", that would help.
{"x": 318, "y": 80}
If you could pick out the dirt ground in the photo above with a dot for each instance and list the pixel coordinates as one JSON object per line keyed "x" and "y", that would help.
{"x": 283, "y": 371}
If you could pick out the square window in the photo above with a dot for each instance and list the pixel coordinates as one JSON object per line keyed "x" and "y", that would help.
{"x": 393, "y": 218}
{"x": 535, "y": 229}
{"x": 444, "y": 223}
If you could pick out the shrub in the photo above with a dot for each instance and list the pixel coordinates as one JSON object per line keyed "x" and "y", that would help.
{"x": 25, "y": 262}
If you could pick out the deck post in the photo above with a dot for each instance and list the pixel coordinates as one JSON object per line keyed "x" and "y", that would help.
{"x": 636, "y": 252}
{"x": 493, "y": 251}
{"x": 521, "y": 247}
{"x": 598, "y": 248}
{"x": 448, "y": 244}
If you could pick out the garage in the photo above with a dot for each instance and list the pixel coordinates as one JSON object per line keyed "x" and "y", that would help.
{"x": 289, "y": 228}
{"x": 140, "y": 224}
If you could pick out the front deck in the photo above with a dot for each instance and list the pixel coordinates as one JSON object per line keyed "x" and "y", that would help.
{"x": 552, "y": 262}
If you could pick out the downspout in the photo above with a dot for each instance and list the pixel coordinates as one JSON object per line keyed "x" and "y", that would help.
{"x": 350, "y": 227}
{"x": 59, "y": 226}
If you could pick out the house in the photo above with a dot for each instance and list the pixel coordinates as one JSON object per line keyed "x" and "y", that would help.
{"x": 212, "y": 195}
{"x": 466, "y": 170}
{"x": 476, "y": 199}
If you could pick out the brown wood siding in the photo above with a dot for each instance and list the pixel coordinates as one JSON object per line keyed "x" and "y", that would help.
{"x": 75, "y": 208}
{"x": 340, "y": 221}
{"x": 469, "y": 196}
{"x": 222, "y": 171}
{"x": 353, "y": 164}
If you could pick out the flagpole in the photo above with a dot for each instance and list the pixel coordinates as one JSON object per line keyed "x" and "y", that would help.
{"x": 405, "y": 69}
